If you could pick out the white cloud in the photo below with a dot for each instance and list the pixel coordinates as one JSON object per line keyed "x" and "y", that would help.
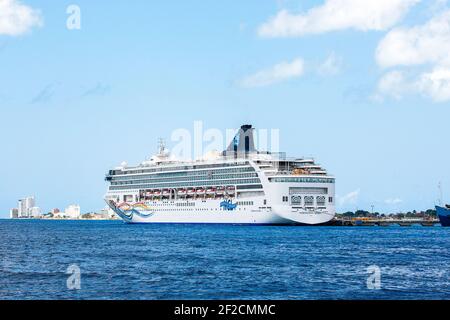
{"x": 410, "y": 48}
{"x": 277, "y": 73}
{"x": 331, "y": 66}
{"x": 392, "y": 84}
{"x": 436, "y": 84}
{"x": 349, "y": 198}
{"x": 335, "y": 15}
{"x": 17, "y": 18}
{"x": 428, "y": 43}
{"x": 393, "y": 201}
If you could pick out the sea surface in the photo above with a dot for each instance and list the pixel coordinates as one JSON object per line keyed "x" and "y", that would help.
{"x": 122, "y": 261}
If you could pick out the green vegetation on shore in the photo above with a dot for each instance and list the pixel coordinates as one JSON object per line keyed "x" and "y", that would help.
{"x": 430, "y": 213}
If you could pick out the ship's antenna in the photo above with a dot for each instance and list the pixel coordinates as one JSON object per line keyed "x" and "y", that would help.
{"x": 440, "y": 193}
{"x": 161, "y": 146}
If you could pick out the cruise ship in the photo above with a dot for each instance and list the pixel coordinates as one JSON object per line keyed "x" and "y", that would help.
{"x": 240, "y": 185}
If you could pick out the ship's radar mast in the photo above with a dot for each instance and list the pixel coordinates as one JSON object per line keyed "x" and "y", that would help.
{"x": 161, "y": 147}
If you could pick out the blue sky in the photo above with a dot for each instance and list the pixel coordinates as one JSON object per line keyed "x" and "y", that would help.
{"x": 365, "y": 90}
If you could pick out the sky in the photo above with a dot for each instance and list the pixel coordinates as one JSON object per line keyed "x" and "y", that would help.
{"x": 363, "y": 86}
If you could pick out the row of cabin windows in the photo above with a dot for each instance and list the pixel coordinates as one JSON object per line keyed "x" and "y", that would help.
{"x": 184, "y": 185}
{"x": 187, "y": 204}
{"x": 199, "y": 209}
{"x": 244, "y": 203}
{"x": 184, "y": 179}
{"x": 186, "y": 173}
{"x": 309, "y": 180}
{"x": 219, "y": 165}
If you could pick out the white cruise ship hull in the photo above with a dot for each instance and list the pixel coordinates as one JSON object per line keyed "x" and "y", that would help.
{"x": 199, "y": 212}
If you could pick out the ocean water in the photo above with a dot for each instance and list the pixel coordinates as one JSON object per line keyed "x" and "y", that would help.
{"x": 120, "y": 261}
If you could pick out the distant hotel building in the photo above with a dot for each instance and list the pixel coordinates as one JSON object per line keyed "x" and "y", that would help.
{"x": 73, "y": 211}
{"x": 14, "y": 213}
{"x": 26, "y": 208}
{"x": 34, "y": 212}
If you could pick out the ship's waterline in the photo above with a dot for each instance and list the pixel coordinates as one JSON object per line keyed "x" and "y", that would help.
{"x": 238, "y": 186}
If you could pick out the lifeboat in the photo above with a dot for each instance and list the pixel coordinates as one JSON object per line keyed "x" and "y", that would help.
{"x": 182, "y": 192}
{"x": 220, "y": 190}
{"x": 149, "y": 193}
{"x": 231, "y": 190}
{"x": 191, "y": 192}
{"x": 210, "y": 190}
{"x": 157, "y": 193}
{"x": 166, "y": 192}
{"x": 200, "y": 191}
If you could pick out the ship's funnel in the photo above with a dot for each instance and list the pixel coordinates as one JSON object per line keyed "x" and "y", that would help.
{"x": 242, "y": 143}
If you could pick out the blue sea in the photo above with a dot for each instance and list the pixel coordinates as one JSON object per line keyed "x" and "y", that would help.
{"x": 121, "y": 261}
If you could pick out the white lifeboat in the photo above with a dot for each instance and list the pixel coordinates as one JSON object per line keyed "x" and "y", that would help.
{"x": 231, "y": 190}
{"x": 220, "y": 190}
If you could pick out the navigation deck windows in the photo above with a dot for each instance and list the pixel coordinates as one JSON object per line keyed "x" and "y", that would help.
{"x": 307, "y": 190}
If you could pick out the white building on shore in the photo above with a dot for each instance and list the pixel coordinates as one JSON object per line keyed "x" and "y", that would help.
{"x": 13, "y": 213}
{"x": 26, "y": 208}
{"x": 34, "y": 212}
{"x": 73, "y": 211}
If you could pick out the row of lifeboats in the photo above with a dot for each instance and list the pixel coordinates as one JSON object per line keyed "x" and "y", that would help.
{"x": 230, "y": 190}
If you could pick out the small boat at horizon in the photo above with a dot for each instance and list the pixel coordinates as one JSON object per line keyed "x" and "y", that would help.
{"x": 443, "y": 214}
